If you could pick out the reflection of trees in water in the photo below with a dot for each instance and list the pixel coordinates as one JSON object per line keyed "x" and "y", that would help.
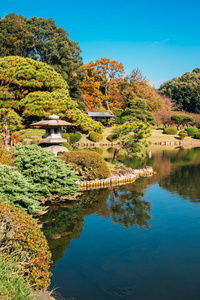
{"x": 177, "y": 172}
{"x": 185, "y": 182}
{"x": 60, "y": 226}
{"x": 127, "y": 207}
{"x": 65, "y": 223}
{"x": 183, "y": 177}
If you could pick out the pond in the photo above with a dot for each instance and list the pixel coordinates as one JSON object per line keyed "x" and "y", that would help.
{"x": 136, "y": 241}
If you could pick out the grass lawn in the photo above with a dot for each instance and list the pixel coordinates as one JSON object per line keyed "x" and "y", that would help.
{"x": 156, "y": 136}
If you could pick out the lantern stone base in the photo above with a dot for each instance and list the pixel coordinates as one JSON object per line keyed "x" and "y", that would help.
{"x": 54, "y": 148}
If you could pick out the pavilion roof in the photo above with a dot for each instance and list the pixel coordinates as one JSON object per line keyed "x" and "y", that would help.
{"x": 100, "y": 114}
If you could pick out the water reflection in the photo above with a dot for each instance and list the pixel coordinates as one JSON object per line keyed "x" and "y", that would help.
{"x": 177, "y": 172}
{"x": 124, "y": 205}
{"x": 128, "y": 208}
{"x": 134, "y": 244}
{"x": 60, "y": 226}
{"x": 185, "y": 182}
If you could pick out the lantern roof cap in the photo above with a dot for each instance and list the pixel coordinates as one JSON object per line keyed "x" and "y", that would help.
{"x": 53, "y": 121}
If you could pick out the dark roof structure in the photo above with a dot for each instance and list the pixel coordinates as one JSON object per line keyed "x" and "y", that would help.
{"x": 100, "y": 114}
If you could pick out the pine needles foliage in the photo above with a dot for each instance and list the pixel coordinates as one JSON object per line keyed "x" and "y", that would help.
{"x": 49, "y": 174}
{"x": 17, "y": 190}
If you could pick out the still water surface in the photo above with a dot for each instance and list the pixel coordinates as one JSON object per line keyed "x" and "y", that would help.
{"x": 137, "y": 241}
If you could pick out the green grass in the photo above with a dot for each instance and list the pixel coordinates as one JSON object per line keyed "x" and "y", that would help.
{"x": 13, "y": 285}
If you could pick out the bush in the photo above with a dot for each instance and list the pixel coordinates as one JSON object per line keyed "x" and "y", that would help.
{"x": 197, "y": 135}
{"x": 30, "y": 132}
{"x": 75, "y": 137}
{"x": 112, "y": 137}
{"x": 68, "y": 146}
{"x": 20, "y": 233}
{"x": 95, "y": 137}
{"x": 170, "y": 130}
{"x": 6, "y": 157}
{"x": 88, "y": 164}
{"x": 94, "y": 149}
{"x": 192, "y": 131}
{"x": 17, "y": 190}
{"x": 66, "y": 136}
{"x": 48, "y": 173}
{"x": 182, "y": 134}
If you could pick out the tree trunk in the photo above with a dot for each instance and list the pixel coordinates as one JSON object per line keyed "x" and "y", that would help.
{"x": 7, "y": 138}
{"x": 117, "y": 151}
{"x": 107, "y": 105}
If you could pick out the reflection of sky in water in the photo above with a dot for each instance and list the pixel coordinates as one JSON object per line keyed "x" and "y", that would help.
{"x": 106, "y": 260}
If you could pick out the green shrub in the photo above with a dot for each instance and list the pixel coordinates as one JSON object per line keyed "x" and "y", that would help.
{"x": 13, "y": 284}
{"x": 66, "y": 136}
{"x": 95, "y": 137}
{"x": 197, "y": 135}
{"x": 17, "y": 190}
{"x": 192, "y": 131}
{"x": 48, "y": 173}
{"x": 94, "y": 149}
{"x": 20, "y": 233}
{"x": 112, "y": 137}
{"x": 75, "y": 137}
{"x": 88, "y": 164}
{"x": 68, "y": 146}
{"x": 170, "y": 130}
{"x": 183, "y": 131}
{"x": 182, "y": 134}
{"x": 31, "y": 132}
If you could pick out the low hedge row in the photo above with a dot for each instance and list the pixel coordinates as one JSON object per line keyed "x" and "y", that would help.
{"x": 88, "y": 164}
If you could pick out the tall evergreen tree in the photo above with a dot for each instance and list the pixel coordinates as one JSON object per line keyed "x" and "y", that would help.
{"x": 42, "y": 40}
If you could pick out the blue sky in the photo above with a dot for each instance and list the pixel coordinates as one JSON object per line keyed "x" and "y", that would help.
{"x": 159, "y": 37}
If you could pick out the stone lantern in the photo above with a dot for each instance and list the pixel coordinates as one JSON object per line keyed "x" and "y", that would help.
{"x": 54, "y": 128}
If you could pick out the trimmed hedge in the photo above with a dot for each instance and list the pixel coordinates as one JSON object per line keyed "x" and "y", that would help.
{"x": 72, "y": 137}
{"x": 112, "y": 137}
{"x": 67, "y": 145}
{"x": 95, "y": 137}
{"x": 66, "y": 136}
{"x": 170, "y": 130}
{"x": 182, "y": 134}
{"x": 20, "y": 233}
{"x": 192, "y": 131}
{"x": 88, "y": 164}
{"x": 75, "y": 137}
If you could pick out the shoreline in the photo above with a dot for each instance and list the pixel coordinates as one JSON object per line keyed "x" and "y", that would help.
{"x": 130, "y": 177}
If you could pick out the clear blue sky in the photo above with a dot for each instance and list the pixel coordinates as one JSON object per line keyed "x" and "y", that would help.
{"x": 162, "y": 38}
